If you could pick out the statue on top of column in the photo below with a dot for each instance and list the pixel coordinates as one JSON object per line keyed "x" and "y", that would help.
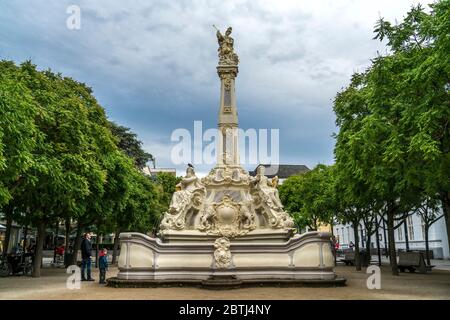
{"x": 226, "y": 48}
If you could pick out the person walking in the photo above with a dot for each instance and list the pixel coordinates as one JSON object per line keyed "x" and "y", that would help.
{"x": 103, "y": 265}
{"x": 86, "y": 251}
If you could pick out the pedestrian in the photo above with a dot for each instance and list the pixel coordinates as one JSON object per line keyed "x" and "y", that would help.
{"x": 351, "y": 245}
{"x": 333, "y": 247}
{"x": 103, "y": 265}
{"x": 86, "y": 251}
{"x": 32, "y": 250}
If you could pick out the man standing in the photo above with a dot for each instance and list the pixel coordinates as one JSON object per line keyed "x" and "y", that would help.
{"x": 86, "y": 249}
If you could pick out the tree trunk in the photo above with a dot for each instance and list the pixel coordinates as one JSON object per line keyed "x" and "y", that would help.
{"x": 39, "y": 248}
{"x": 7, "y": 233}
{"x": 391, "y": 236}
{"x": 334, "y": 242}
{"x": 77, "y": 244}
{"x": 362, "y": 237}
{"x": 55, "y": 242}
{"x": 405, "y": 227}
{"x": 357, "y": 257}
{"x": 97, "y": 240}
{"x": 386, "y": 246}
{"x": 25, "y": 234}
{"x": 116, "y": 246}
{"x": 445, "y": 200}
{"x": 368, "y": 242}
{"x": 24, "y": 245}
{"x": 67, "y": 235}
{"x": 427, "y": 244}
{"x": 377, "y": 237}
{"x": 331, "y": 226}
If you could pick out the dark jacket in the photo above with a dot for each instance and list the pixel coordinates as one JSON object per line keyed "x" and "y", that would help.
{"x": 86, "y": 248}
{"x": 103, "y": 261}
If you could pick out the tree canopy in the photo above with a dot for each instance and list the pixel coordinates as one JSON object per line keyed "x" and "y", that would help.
{"x": 393, "y": 144}
{"x": 61, "y": 159}
{"x": 128, "y": 142}
{"x": 308, "y": 197}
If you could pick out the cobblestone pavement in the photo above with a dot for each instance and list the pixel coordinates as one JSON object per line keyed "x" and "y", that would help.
{"x": 52, "y": 285}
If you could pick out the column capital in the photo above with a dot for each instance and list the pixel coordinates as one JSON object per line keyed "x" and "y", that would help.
{"x": 225, "y": 72}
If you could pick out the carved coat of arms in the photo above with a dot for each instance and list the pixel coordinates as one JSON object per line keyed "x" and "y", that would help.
{"x": 222, "y": 253}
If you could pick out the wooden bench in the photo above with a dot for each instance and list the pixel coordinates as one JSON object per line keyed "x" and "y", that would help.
{"x": 349, "y": 258}
{"x": 412, "y": 261}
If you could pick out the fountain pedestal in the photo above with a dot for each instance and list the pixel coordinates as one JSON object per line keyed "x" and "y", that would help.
{"x": 227, "y": 225}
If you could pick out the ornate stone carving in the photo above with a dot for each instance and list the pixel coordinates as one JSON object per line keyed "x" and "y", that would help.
{"x": 227, "y": 175}
{"x": 226, "y": 48}
{"x": 228, "y": 218}
{"x": 227, "y": 83}
{"x": 227, "y": 72}
{"x": 227, "y": 202}
{"x": 247, "y": 218}
{"x": 266, "y": 190}
{"x": 207, "y": 219}
{"x": 227, "y": 94}
{"x": 266, "y": 196}
{"x": 227, "y": 213}
{"x": 204, "y": 215}
{"x": 222, "y": 253}
{"x": 189, "y": 193}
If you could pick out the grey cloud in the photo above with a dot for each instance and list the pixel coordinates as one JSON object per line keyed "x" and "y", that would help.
{"x": 152, "y": 64}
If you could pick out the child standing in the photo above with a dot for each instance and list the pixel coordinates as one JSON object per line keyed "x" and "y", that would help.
{"x": 103, "y": 265}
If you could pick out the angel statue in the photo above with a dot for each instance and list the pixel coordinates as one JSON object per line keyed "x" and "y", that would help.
{"x": 267, "y": 189}
{"x": 187, "y": 193}
{"x": 226, "y": 48}
{"x": 183, "y": 195}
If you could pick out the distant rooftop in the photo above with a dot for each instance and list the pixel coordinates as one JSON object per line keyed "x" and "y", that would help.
{"x": 284, "y": 170}
{"x": 154, "y": 171}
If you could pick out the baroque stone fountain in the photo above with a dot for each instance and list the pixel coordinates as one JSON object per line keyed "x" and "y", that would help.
{"x": 228, "y": 228}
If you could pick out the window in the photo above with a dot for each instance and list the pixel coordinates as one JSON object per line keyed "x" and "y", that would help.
{"x": 410, "y": 227}
{"x": 400, "y": 233}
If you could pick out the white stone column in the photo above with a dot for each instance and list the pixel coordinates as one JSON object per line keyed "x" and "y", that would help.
{"x": 227, "y": 146}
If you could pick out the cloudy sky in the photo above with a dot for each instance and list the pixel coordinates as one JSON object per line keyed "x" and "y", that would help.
{"x": 152, "y": 64}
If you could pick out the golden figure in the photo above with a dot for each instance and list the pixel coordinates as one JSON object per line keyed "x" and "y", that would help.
{"x": 226, "y": 48}
{"x": 275, "y": 182}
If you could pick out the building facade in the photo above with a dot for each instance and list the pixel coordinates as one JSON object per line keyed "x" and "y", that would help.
{"x": 415, "y": 229}
{"x": 153, "y": 172}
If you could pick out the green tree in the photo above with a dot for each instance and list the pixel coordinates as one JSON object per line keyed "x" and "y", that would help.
{"x": 17, "y": 128}
{"x": 17, "y": 137}
{"x": 59, "y": 159}
{"x": 353, "y": 202}
{"x": 393, "y": 118}
{"x": 129, "y": 143}
{"x": 309, "y": 197}
{"x": 168, "y": 183}
{"x": 420, "y": 47}
{"x": 429, "y": 211}
{"x": 139, "y": 208}
{"x": 370, "y": 149}
{"x": 66, "y": 166}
